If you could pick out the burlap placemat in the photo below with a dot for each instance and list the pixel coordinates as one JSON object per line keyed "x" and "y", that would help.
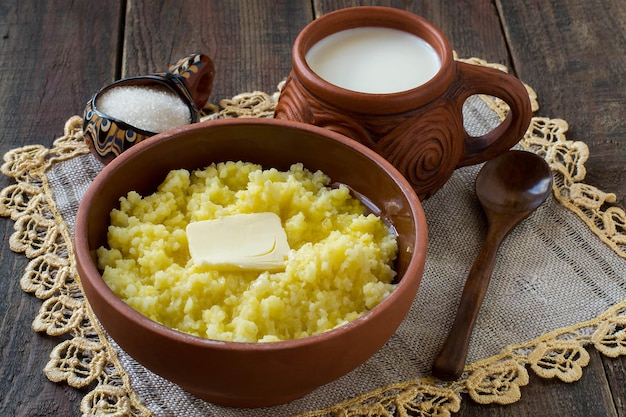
{"x": 558, "y": 286}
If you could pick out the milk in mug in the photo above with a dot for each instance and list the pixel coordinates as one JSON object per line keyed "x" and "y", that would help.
{"x": 374, "y": 60}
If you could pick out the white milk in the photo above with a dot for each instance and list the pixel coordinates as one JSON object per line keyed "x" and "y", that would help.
{"x": 374, "y": 60}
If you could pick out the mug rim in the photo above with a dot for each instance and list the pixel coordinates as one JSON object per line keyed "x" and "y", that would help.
{"x": 372, "y": 16}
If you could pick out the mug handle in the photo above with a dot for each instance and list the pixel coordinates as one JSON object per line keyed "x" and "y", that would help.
{"x": 476, "y": 79}
{"x": 196, "y": 72}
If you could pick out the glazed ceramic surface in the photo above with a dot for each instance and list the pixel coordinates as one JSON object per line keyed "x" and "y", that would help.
{"x": 191, "y": 78}
{"x": 420, "y": 130}
{"x": 252, "y": 374}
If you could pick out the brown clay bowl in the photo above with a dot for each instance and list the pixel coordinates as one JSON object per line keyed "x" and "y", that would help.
{"x": 251, "y": 374}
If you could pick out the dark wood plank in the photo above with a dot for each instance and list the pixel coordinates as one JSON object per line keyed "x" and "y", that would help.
{"x": 616, "y": 377}
{"x": 249, "y": 42}
{"x": 572, "y": 53}
{"x": 53, "y": 55}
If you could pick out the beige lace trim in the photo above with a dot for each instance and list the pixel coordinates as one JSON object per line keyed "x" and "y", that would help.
{"x": 87, "y": 359}
{"x": 567, "y": 158}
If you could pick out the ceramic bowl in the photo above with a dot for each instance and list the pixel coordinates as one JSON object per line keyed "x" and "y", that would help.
{"x": 251, "y": 374}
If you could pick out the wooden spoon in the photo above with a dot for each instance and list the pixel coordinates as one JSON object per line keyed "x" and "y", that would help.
{"x": 509, "y": 188}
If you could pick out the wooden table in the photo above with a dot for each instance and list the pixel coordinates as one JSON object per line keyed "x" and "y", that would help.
{"x": 54, "y": 55}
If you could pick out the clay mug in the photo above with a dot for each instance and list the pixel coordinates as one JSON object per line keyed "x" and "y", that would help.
{"x": 418, "y": 129}
{"x": 188, "y": 82}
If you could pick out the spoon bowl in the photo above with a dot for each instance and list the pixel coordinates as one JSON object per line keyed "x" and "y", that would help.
{"x": 517, "y": 181}
{"x": 509, "y": 188}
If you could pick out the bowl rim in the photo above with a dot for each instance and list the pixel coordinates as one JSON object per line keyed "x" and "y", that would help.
{"x": 88, "y": 270}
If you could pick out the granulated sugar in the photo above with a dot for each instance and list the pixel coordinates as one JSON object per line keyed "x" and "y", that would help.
{"x": 152, "y": 108}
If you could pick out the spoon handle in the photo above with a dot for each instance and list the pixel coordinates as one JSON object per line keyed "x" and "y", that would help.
{"x": 449, "y": 364}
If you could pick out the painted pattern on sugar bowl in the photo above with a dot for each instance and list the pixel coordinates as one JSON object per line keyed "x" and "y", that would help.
{"x": 108, "y": 132}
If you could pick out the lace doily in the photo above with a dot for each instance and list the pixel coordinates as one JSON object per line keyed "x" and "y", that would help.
{"x": 88, "y": 359}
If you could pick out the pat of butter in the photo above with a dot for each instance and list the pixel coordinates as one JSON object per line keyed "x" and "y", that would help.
{"x": 255, "y": 241}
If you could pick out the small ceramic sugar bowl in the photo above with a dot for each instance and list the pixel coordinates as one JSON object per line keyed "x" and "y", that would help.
{"x": 132, "y": 109}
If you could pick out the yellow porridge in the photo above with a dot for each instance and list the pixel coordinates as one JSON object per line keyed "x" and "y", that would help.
{"x": 339, "y": 265}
